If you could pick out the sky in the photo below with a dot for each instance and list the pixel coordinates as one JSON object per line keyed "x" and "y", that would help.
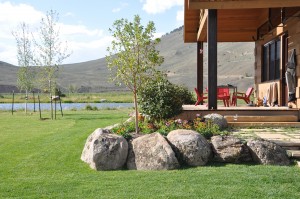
{"x": 84, "y": 24}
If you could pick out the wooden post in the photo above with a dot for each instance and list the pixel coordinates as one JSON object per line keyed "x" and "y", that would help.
{"x": 62, "y": 114}
{"x": 200, "y": 67}
{"x": 51, "y": 105}
{"x": 12, "y": 104}
{"x": 212, "y": 59}
{"x": 55, "y": 109}
{"x": 26, "y": 99}
{"x": 40, "y": 106}
{"x": 33, "y": 101}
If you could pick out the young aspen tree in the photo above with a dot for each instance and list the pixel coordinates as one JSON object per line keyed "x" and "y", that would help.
{"x": 51, "y": 52}
{"x": 26, "y": 73}
{"x": 132, "y": 56}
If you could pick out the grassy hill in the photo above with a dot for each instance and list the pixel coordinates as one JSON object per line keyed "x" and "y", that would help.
{"x": 235, "y": 66}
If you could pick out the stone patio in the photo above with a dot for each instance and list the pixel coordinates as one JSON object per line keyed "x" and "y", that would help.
{"x": 287, "y": 138}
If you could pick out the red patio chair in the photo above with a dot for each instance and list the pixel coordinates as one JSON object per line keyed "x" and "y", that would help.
{"x": 244, "y": 96}
{"x": 223, "y": 94}
{"x": 200, "y": 98}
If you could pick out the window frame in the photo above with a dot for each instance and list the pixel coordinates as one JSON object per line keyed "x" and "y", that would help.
{"x": 271, "y": 59}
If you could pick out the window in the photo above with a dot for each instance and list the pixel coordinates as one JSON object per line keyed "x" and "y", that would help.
{"x": 271, "y": 61}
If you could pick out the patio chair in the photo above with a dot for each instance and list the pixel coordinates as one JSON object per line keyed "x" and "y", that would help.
{"x": 223, "y": 94}
{"x": 200, "y": 98}
{"x": 244, "y": 96}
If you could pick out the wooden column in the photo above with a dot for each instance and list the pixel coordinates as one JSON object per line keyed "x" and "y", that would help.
{"x": 200, "y": 67}
{"x": 212, "y": 58}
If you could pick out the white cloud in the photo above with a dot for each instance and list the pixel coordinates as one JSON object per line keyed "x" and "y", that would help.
{"x": 86, "y": 43}
{"x": 85, "y": 51}
{"x": 69, "y": 14}
{"x": 13, "y": 14}
{"x": 159, "y": 6}
{"x": 66, "y": 29}
{"x": 180, "y": 16}
{"x": 116, "y": 10}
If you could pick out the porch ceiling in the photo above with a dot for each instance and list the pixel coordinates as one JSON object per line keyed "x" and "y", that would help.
{"x": 238, "y": 20}
{"x": 241, "y": 4}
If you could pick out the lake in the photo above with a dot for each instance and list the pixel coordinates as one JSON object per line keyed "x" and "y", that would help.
{"x": 65, "y": 106}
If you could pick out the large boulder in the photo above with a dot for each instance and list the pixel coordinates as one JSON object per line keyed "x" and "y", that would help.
{"x": 268, "y": 153}
{"x": 105, "y": 151}
{"x": 153, "y": 152}
{"x": 230, "y": 149}
{"x": 216, "y": 119}
{"x": 190, "y": 147}
{"x": 130, "y": 163}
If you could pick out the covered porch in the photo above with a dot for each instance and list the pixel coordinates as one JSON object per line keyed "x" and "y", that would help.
{"x": 271, "y": 25}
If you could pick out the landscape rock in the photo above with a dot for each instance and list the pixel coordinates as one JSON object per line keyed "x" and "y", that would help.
{"x": 130, "y": 163}
{"x": 105, "y": 151}
{"x": 230, "y": 149}
{"x": 217, "y": 119}
{"x": 190, "y": 147}
{"x": 153, "y": 152}
{"x": 268, "y": 153}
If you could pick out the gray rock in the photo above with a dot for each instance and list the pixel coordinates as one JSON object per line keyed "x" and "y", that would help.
{"x": 217, "y": 119}
{"x": 153, "y": 152}
{"x": 105, "y": 151}
{"x": 190, "y": 147}
{"x": 230, "y": 149}
{"x": 131, "y": 156}
{"x": 268, "y": 153}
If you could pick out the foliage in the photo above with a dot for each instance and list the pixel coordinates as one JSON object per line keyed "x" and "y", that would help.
{"x": 125, "y": 129}
{"x": 161, "y": 99}
{"x": 51, "y": 51}
{"x": 205, "y": 128}
{"x": 88, "y": 107}
{"x": 132, "y": 57}
{"x": 26, "y": 74}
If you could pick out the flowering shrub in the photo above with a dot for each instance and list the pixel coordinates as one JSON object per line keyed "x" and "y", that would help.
{"x": 205, "y": 128}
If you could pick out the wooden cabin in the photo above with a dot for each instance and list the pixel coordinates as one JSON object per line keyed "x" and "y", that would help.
{"x": 274, "y": 26}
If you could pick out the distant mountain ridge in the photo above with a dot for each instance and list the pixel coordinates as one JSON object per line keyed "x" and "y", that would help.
{"x": 235, "y": 66}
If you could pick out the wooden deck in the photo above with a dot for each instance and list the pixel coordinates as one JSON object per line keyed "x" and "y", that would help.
{"x": 243, "y": 116}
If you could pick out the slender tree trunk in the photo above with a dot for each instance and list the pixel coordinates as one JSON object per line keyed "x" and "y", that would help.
{"x": 136, "y": 112}
{"x": 33, "y": 101}
{"x": 26, "y": 98}
{"x": 40, "y": 106}
{"x": 51, "y": 105}
{"x": 13, "y": 101}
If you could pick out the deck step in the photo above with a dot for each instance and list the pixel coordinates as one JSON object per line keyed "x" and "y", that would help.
{"x": 264, "y": 124}
{"x": 294, "y": 153}
{"x": 261, "y": 118}
{"x": 287, "y": 144}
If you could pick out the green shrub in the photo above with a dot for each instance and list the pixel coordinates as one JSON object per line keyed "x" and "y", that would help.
{"x": 88, "y": 107}
{"x": 162, "y": 100}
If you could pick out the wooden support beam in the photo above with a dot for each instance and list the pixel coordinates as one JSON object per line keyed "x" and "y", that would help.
{"x": 200, "y": 67}
{"x": 196, "y": 4}
{"x": 212, "y": 58}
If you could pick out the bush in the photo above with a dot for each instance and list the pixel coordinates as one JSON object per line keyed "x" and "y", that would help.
{"x": 88, "y": 107}
{"x": 162, "y": 100}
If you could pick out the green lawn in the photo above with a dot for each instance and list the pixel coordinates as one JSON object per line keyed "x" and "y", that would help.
{"x": 41, "y": 159}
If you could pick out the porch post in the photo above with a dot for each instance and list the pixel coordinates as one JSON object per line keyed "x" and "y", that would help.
{"x": 200, "y": 67}
{"x": 212, "y": 58}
